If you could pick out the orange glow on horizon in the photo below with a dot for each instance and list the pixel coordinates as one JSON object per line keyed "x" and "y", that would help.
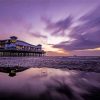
{"x": 55, "y": 51}
{"x": 95, "y": 49}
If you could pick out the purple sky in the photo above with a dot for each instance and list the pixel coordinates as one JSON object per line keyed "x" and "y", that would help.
{"x": 64, "y": 27}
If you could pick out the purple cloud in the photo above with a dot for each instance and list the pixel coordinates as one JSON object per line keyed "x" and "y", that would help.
{"x": 58, "y": 28}
{"x": 38, "y": 35}
{"x": 86, "y": 35}
{"x": 78, "y": 44}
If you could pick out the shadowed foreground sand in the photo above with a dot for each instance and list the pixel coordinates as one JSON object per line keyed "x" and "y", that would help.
{"x": 50, "y": 84}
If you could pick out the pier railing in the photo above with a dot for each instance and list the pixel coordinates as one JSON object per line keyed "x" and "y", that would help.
{"x": 23, "y": 52}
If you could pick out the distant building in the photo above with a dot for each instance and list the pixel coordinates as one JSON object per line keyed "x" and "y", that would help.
{"x": 15, "y": 47}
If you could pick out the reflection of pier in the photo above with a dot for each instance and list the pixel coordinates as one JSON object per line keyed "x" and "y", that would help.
{"x": 14, "y": 47}
{"x": 12, "y": 70}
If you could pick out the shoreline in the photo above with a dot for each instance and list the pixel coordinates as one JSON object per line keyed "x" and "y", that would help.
{"x": 89, "y": 64}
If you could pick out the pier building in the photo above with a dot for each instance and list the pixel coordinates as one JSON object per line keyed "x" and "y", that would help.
{"x": 15, "y": 47}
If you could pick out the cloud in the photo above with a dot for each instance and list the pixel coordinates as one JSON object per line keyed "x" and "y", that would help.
{"x": 85, "y": 35}
{"x": 59, "y": 27}
{"x": 38, "y": 35}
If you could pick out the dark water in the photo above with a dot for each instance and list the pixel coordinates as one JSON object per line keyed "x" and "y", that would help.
{"x": 50, "y": 84}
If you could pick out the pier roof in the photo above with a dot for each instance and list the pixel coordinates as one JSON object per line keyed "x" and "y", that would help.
{"x": 19, "y": 42}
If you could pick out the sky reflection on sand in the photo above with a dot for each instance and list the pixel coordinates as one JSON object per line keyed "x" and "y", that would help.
{"x": 33, "y": 82}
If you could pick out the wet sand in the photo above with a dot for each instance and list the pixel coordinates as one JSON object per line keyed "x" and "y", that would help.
{"x": 50, "y": 84}
{"x": 50, "y": 78}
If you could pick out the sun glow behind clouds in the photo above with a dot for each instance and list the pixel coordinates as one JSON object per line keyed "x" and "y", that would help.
{"x": 50, "y": 48}
{"x": 52, "y": 40}
{"x": 56, "y": 39}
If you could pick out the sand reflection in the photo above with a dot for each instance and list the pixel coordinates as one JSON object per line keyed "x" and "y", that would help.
{"x": 50, "y": 84}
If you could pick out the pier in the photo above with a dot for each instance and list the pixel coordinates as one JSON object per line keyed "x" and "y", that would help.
{"x": 17, "y": 48}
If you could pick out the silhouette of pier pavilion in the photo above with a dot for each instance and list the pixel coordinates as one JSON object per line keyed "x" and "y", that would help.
{"x": 14, "y": 47}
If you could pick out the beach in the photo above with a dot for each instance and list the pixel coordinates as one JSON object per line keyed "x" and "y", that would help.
{"x": 72, "y": 63}
{"x": 49, "y": 78}
{"x": 50, "y": 84}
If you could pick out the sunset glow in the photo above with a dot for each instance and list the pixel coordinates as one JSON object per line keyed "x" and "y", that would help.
{"x": 63, "y": 27}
